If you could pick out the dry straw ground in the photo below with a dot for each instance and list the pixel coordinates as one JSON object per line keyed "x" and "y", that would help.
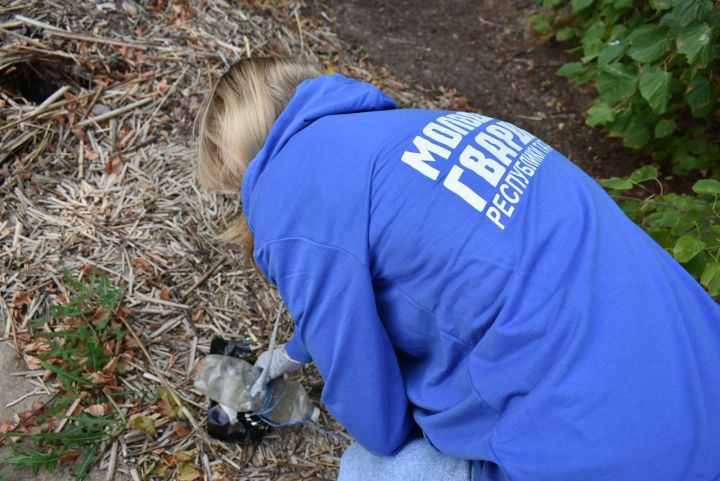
{"x": 97, "y": 102}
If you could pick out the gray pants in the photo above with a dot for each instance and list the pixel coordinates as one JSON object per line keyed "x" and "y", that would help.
{"x": 417, "y": 461}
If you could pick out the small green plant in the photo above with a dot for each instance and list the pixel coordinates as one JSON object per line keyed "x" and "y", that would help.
{"x": 655, "y": 67}
{"x": 688, "y": 226}
{"x": 80, "y": 347}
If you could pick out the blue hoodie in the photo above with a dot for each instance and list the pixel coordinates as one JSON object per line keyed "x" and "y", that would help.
{"x": 452, "y": 272}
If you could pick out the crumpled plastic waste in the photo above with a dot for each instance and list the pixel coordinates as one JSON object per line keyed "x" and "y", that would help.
{"x": 234, "y": 415}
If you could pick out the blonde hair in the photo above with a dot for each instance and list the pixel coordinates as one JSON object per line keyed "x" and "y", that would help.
{"x": 234, "y": 123}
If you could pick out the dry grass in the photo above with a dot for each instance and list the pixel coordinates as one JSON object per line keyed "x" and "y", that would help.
{"x": 97, "y": 102}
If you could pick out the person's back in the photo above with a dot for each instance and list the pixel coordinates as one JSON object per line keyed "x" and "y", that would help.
{"x": 453, "y": 268}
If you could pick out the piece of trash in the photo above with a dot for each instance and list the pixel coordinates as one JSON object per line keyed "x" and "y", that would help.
{"x": 234, "y": 415}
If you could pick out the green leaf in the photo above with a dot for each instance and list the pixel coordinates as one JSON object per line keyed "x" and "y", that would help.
{"x": 689, "y": 10}
{"x": 592, "y": 40}
{"x": 143, "y": 424}
{"x": 711, "y": 278}
{"x": 687, "y": 247}
{"x": 636, "y": 134}
{"x": 565, "y": 34}
{"x": 643, "y": 174}
{"x": 662, "y": 237}
{"x": 700, "y": 95}
{"x": 542, "y": 26}
{"x": 570, "y": 68}
{"x": 662, "y": 4}
{"x": 612, "y": 50}
{"x": 664, "y": 128}
{"x": 599, "y": 113}
{"x": 655, "y": 88}
{"x": 617, "y": 183}
{"x": 187, "y": 471}
{"x": 158, "y": 470}
{"x": 707, "y": 186}
{"x": 580, "y": 4}
{"x": 616, "y": 81}
{"x": 694, "y": 42}
{"x": 649, "y": 43}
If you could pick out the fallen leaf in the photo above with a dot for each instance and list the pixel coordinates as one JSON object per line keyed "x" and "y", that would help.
{"x": 187, "y": 472}
{"x": 165, "y": 293}
{"x": 96, "y": 410}
{"x": 100, "y": 377}
{"x": 6, "y": 427}
{"x": 28, "y": 418}
{"x": 109, "y": 347}
{"x": 220, "y": 472}
{"x": 143, "y": 424}
{"x": 113, "y": 165}
{"x": 184, "y": 456}
{"x": 142, "y": 266}
{"x": 167, "y": 405}
{"x": 111, "y": 366}
{"x": 91, "y": 155}
{"x": 179, "y": 431}
{"x": 159, "y": 470}
{"x": 71, "y": 456}
{"x": 32, "y": 362}
{"x": 163, "y": 86}
{"x": 100, "y": 317}
{"x": 22, "y": 298}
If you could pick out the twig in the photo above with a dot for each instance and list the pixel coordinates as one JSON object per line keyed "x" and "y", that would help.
{"x": 54, "y": 31}
{"x": 202, "y": 278}
{"x": 116, "y": 112}
{"x": 113, "y": 462}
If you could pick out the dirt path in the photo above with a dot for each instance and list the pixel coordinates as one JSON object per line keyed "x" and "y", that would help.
{"x": 486, "y": 51}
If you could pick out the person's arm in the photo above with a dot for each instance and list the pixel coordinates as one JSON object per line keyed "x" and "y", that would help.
{"x": 329, "y": 294}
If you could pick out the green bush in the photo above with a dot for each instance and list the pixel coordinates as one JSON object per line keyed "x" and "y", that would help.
{"x": 655, "y": 67}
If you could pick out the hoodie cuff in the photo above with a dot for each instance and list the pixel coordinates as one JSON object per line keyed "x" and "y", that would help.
{"x": 297, "y": 351}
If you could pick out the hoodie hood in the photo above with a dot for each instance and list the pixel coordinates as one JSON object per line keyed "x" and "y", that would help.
{"x": 314, "y": 98}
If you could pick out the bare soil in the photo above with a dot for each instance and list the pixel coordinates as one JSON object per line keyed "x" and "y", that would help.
{"x": 486, "y": 50}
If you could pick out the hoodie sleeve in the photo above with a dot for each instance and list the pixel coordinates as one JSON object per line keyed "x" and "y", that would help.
{"x": 329, "y": 294}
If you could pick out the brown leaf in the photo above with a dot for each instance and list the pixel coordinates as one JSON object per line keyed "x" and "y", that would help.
{"x": 79, "y": 133}
{"x": 100, "y": 315}
{"x": 21, "y": 298}
{"x": 39, "y": 346}
{"x": 142, "y": 266}
{"x": 220, "y": 472}
{"x": 199, "y": 316}
{"x": 100, "y": 377}
{"x": 6, "y": 427}
{"x": 163, "y": 86}
{"x": 96, "y": 410}
{"x": 23, "y": 336}
{"x": 109, "y": 347}
{"x": 91, "y": 155}
{"x": 32, "y": 362}
{"x": 71, "y": 456}
{"x": 179, "y": 431}
{"x": 113, "y": 165}
{"x": 28, "y": 419}
{"x": 111, "y": 366}
{"x": 165, "y": 293}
